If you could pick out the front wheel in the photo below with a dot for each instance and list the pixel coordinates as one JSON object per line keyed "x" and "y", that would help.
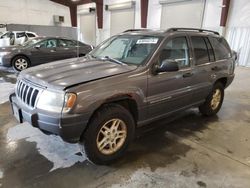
{"x": 108, "y": 135}
{"x": 214, "y": 100}
{"x": 20, "y": 63}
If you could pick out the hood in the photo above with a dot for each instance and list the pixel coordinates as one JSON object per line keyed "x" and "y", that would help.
{"x": 62, "y": 74}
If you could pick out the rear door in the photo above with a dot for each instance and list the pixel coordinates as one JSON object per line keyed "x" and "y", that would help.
{"x": 66, "y": 49}
{"x": 204, "y": 60}
{"x": 170, "y": 91}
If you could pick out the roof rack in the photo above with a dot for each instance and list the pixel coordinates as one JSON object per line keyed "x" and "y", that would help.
{"x": 192, "y": 29}
{"x": 130, "y": 30}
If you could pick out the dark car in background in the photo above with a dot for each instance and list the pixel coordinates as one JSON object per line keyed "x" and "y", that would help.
{"x": 41, "y": 50}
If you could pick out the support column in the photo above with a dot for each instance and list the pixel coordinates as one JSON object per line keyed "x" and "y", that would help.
{"x": 224, "y": 16}
{"x": 73, "y": 15}
{"x": 99, "y": 10}
{"x": 144, "y": 13}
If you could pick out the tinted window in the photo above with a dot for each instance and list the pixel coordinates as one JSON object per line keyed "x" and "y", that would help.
{"x": 210, "y": 50}
{"x": 66, "y": 43}
{"x": 30, "y": 35}
{"x": 176, "y": 49}
{"x": 221, "y": 48}
{"x": 50, "y": 43}
{"x": 200, "y": 50}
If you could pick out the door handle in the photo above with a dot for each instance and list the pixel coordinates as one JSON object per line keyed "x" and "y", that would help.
{"x": 215, "y": 68}
{"x": 52, "y": 50}
{"x": 189, "y": 74}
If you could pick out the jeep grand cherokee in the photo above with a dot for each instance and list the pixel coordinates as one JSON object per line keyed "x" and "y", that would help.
{"x": 128, "y": 81}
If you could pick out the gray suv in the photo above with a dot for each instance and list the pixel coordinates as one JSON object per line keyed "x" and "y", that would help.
{"x": 128, "y": 81}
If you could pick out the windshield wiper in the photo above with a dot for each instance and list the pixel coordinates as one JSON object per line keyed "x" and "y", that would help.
{"x": 114, "y": 60}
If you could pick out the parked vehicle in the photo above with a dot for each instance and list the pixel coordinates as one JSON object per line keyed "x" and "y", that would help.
{"x": 41, "y": 50}
{"x": 126, "y": 82}
{"x": 15, "y": 37}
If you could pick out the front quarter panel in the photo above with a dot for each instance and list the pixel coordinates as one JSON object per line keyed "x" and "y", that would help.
{"x": 91, "y": 95}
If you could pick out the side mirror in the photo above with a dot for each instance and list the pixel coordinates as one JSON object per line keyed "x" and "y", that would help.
{"x": 37, "y": 46}
{"x": 168, "y": 65}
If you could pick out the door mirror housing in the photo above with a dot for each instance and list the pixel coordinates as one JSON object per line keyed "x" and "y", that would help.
{"x": 168, "y": 65}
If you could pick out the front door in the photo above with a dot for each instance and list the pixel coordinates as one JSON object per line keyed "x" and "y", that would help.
{"x": 44, "y": 52}
{"x": 169, "y": 91}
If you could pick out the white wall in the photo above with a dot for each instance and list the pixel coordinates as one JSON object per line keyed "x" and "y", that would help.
{"x": 239, "y": 14}
{"x": 238, "y": 30}
{"x": 212, "y": 15}
{"x": 105, "y": 32}
{"x": 32, "y": 12}
{"x": 154, "y": 14}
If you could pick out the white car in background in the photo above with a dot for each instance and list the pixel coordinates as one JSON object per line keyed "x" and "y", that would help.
{"x": 15, "y": 37}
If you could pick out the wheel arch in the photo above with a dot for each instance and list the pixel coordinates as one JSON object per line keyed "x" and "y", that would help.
{"x": 222, "y": 80}
{"x": 125, "y": 101}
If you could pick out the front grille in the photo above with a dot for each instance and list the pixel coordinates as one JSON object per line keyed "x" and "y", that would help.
{"x": 26, "y": 93}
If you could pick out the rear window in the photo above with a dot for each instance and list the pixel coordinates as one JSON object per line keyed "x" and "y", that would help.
{"x": 221, "y": 48}
{"x": 200, "y": 50}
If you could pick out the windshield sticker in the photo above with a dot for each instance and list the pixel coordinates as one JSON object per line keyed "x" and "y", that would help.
{"x": 147, "y": 41}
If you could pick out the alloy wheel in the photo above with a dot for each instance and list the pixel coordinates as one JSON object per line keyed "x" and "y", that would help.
{"x": 216, "y": 99}
{"x": 111, "y": 136}
{"x": 21, "y": 64}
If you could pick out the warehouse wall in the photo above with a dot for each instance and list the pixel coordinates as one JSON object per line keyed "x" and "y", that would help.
{"x": 212, "y": 15}
{"x": 238, "y": 30}
{"x": 105, "y": 33}
{"x": 31, "y": 12}
{"x": 102, "y": 34}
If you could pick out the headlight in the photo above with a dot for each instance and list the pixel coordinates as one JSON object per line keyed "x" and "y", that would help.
{"x": 51, "y": 101}
{"x": 4, "y": 53}
{"x": 55, "y": 101}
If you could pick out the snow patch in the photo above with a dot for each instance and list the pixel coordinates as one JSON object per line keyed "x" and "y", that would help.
{"x": 1, "y": 174}
{"x": 6, "y": 89}
{"x": 11, "y": 76}
{"x": 60, "y": 153}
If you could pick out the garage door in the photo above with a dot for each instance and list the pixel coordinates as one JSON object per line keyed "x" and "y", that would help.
{"x": 182, "y": 14}
{"x": 122, "y": 20}
{"x": 88, "y": 28}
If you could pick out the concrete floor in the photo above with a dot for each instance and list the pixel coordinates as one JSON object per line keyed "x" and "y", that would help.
{"x": 190, "y": 151}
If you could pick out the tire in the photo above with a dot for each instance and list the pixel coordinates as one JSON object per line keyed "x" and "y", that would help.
{"x": 214, "y": 100}
{"x": 20, "y": 63}
{"x": 101, "y": 124}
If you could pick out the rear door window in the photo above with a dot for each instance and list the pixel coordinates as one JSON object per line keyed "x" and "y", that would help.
{"x": 66, "y": 43}
{"x": 221, "y": 48}
{"x": 210, "y": 50}
{"x": 30, "y": 35}
{"x": 200, "y": 48}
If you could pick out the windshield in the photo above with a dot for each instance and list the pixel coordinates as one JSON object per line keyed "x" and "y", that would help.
{"x": 127, "y": 49}
{"x": 31, "y": 42}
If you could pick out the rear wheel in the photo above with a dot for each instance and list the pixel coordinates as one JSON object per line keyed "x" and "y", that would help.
{"x": 214, "y": 100}
{"x": 20, "y": 63}
{"x": 108, "y": 135}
